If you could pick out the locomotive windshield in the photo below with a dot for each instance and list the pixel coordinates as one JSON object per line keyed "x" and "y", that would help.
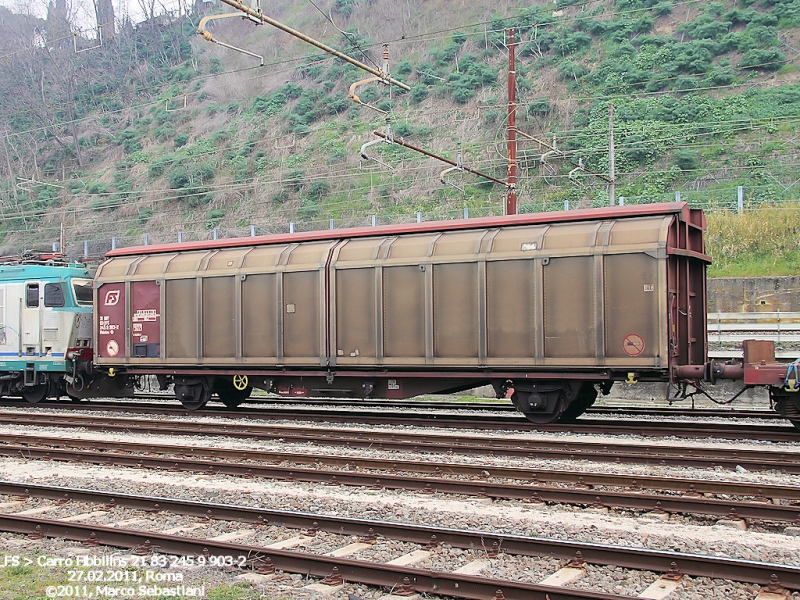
{"x": 83, "y": 291}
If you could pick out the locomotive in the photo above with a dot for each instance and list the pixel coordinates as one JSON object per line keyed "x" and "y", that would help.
{"x": 46, "y": 331}
{"x": 551, "y": 309}
{"x": 46, "y": 328}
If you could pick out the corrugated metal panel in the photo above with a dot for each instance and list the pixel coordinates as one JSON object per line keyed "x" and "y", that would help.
{"x": 518, "y": 239}
{"x": 355, "y": 315}
{"x": 311, "y": 255}
{"x": 569, "y": 308}
{"x": 359, "y": 250}
{"x": 115, "y": 268}
{"x": 186, "y": 264}
{"x": 219, "y": 317}
{"x": 301, "y": 314}
{"x": 404, "y": 312}
{"x": 413, "y": 246}
{"x": 511, "y": 309}
{"x": 458, "y": 243}
{"x": 226, "y": 260}
{"x": 570, "y": 235}
{"x": 638, "y": 231}
{"x": 181, "y": 320}
{"x": 455, "y": 310}
{"x": 153, "y": 265}
{"x": 263, "y": 258}
{"x": 631, "y": 306}
{"x": 260, "y": 315}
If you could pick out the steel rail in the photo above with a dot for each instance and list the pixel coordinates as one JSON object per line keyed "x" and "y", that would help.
{"x": 444, "y": 405}
{"x": 511, "y": 422}
{"x": 724, "y": 413}
{"x": 498, "y": 406}
{"x": 532, "y": 492}
{"x": 774, "y": 433}
{"x": 440, "y": 582}
{"x": 690, "y": 486}
{"x": 669, "y": 456}
{"x": 598, "y": 554}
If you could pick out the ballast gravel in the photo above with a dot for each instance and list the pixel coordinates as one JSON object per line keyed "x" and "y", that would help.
{"x": 448, "y": 511}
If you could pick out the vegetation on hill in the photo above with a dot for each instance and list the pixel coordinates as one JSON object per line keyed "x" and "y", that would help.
{"x": 159, "y": 132}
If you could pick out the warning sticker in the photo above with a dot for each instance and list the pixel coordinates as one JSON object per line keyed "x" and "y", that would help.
{"x": 633, "y": 344}
{"x": 112, "y": 348}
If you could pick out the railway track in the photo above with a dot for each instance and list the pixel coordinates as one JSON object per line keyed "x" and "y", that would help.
{"x": 509, "y": 422}
{"x": 482, "y": 405}
{"x": 566, "y": 560}
{"x": 598, "y": 490}
{"x": 439, "y": 442}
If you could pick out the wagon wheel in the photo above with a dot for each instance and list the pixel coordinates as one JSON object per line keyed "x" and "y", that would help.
{"x": 229, "y": 392}
{"x": 37, "y": 393}
{"x": 193, "y": 397}
{"x": 585, "y": 398}
{"x": 543, "y": 417}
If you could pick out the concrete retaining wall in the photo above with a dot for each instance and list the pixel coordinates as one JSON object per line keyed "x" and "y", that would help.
{"x": 754, "y": 294}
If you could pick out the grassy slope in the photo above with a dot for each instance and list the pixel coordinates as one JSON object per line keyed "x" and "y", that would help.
{"x": 279, "y": 144}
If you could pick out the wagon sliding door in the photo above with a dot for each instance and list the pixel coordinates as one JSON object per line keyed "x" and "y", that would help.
{"x": 181, "y": 322}
{"x": 301, "y": 315}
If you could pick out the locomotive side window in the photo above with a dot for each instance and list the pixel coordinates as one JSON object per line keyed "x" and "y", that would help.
{"x": 83, "y": 291}
{"x": 32, "y": 295}
{"x": 53, "y": 294}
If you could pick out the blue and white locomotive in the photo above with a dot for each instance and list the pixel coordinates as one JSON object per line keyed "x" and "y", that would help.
{"x": 45, "y": 327}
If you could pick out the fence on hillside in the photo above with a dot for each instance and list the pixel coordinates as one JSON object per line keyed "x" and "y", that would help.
{"x": 727, "y": 331}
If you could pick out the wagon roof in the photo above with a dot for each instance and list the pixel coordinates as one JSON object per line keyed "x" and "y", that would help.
{"x": 680, "y": 209}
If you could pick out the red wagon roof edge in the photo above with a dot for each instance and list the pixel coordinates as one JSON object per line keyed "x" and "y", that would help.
{"x": 591, "y": 214}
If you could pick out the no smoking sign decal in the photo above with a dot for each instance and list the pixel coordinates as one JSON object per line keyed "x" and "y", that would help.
{"x": 633, "y": 344}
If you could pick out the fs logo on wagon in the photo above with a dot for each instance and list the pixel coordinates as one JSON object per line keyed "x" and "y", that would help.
{"x": 112, "y": 298}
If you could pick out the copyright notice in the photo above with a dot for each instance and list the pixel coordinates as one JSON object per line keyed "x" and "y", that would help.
{"x": 115, "y": 576}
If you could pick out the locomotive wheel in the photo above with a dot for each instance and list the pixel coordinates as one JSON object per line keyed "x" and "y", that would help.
{"x": 193, "y": 397}
{"x": 36, "y": 393}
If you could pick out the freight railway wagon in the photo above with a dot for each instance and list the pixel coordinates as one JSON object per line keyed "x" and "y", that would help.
{"x": 550, "y": 309}
{"x": 45, "y": 327}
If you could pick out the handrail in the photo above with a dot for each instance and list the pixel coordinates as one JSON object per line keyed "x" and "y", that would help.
{"x": 769, "y": 317}
{"x": 780, "y": 327}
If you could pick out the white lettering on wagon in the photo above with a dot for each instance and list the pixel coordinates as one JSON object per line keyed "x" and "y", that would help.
{"x": 147, "y": 315}
{"x": 106, "y": 326}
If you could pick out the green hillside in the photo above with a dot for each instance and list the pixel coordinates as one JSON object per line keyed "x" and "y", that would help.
{"x": 178, "y": 135}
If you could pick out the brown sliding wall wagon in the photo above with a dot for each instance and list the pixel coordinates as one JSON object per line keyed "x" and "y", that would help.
{"x": 548, "y": 308}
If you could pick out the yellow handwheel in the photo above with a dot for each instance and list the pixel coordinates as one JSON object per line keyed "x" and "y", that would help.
{"x": 240, "y": 382}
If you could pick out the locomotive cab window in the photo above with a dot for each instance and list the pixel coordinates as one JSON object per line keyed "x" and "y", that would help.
{"x": 32, "y": 295}
{"x": 53, "y": 294}
{"x": 83, "y": 291}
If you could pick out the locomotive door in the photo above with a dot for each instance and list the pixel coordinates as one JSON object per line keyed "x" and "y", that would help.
{"x": 31, "y": 319}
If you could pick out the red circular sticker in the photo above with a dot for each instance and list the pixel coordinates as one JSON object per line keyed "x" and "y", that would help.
{"x": 112, "y": 347}
{"x": 633, "y": 344}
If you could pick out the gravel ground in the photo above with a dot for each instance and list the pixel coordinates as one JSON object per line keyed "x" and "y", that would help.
{"x": 679, "y": 534}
